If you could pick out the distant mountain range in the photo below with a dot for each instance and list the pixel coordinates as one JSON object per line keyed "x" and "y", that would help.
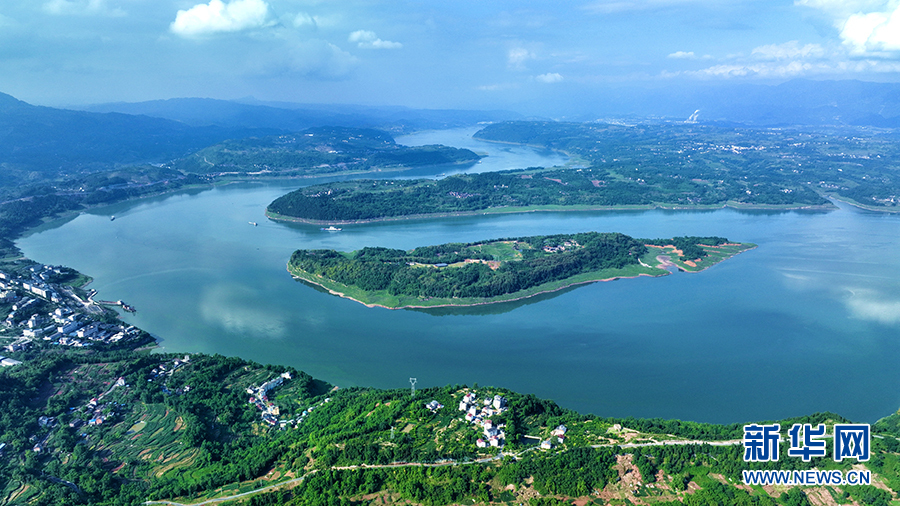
{"x": 60, "y": 141}
{"x": 49, "y": 140}
{"x": 796, "y": 102}
{"x": 251, "y": 113}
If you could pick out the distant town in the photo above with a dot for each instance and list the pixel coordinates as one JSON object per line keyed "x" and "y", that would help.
{"x": 43, "y": 310}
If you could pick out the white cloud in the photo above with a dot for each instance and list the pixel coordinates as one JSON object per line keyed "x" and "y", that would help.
{"x": 615, "y": 6}
{"x": 687, "y": 55}
{"x": 367, "y": 39}
{"x": 865, "y": 26}
{"x": 217, "y": 16}
{"x": 303, "y": 19}
{"x": 518, "y": 56}
{"x": 788, "y": 51}
{"x": 875, "y": 31}
{"x": 683, "y": 55}
{"x": 792, "y": 69}
{"x": 81, "y": 8}
{"x": 497, "y": 87}
{"x": 844, "y": 8}
{"x": 549, "y": 78}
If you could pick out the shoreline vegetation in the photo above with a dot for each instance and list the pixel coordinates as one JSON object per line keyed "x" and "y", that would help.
{"x": 498, "y": 271}
{"x": 549, "y": 209}
{"x": 523, "y": 190}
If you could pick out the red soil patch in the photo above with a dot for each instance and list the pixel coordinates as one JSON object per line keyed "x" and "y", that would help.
{"x": 493, "y": 264}
{"x": 677, "y": 251}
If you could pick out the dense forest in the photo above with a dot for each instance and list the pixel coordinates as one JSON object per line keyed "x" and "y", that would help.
{"x": 320, "y": 151}
{"x": 526, "y": 189}
{"x": 482, "y": 270}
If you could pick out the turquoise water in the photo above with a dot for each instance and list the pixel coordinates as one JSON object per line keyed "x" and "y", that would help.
{"x": 809, "y": 321}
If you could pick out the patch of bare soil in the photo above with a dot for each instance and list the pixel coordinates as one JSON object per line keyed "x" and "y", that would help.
{"x": 820, "y": 496}
{"x": 875, "y": 482}
{"x": 629, "y": 481}
{"x": 493, "y": 264}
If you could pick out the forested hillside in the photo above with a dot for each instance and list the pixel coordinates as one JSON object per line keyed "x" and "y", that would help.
{"x": 123, "y": 428}
{"x": 320, "y": 151}
{"x": 496, "y": 270}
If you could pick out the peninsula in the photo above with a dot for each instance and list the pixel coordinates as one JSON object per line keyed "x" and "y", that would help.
{"x": 319, "y": 151}
{"x": 457, "y": 274}
{"x": 525, "y": 190}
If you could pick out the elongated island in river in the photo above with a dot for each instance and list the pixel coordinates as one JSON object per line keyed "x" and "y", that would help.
{"x": 499, "y": 270}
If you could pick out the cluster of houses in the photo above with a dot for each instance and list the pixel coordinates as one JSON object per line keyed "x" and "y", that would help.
{"x": 163, "y": 370}
{"x": 479, "y": 412}
{"x": 63, "y": 326}
{"x": 562, "y": 247}
{"x": 95, "y": 412}
{"x": 559, "y": 433}
{"x": 38, "y": 284}
{"x": 259, "y": 397}
{"x": 462, "y": 195}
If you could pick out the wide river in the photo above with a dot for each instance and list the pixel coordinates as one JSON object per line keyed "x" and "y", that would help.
{"x": 809, "y": 321}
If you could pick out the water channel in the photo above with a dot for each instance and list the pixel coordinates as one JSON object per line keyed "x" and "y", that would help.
{"x": 809, "y": 321}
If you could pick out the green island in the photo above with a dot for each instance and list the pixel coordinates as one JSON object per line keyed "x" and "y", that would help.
{"x": 500, "y": 270}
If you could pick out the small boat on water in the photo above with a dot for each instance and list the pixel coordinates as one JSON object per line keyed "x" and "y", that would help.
{"x": 112, "y": 218}
{"x": 331, "y": 229}
{"x": 253, "y": 223}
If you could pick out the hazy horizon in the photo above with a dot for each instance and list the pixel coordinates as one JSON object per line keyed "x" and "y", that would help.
{"x": 537, "y": 57}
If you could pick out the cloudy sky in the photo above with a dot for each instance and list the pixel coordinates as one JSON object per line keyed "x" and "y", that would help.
{"x": 426, "y": 53}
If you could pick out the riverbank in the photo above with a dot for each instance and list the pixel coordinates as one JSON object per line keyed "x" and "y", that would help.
{"x": 548, "y": 209}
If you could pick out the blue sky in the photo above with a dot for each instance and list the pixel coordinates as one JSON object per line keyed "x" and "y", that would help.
{"x": 426, "y": 53}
